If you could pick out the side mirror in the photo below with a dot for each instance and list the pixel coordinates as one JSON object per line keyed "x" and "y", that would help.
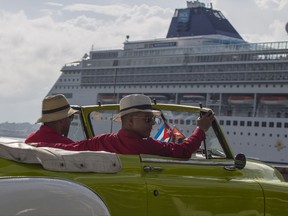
{"x": 239, "y": 163}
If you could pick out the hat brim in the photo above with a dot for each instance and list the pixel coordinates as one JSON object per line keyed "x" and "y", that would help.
{"x": 117, "y": 118}
{"x": 56, "y": 116}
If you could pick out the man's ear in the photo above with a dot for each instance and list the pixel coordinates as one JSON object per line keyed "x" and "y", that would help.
{"x": 62, "y": 121}
{"x": 128, "y": 121}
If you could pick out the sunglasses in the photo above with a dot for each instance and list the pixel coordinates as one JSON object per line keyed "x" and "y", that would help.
{"x": 148, "y": 119}
{"x": 71, "y": 117}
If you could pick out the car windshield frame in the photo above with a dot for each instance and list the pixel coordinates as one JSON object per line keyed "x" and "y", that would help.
{"x": 87, "y": 123}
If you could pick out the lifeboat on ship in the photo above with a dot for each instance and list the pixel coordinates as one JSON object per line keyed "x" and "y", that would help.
{"x": 274, "y": 100}
{"x": 240, "y": 99}
{"x": 193, "y": 100}
{"x": 108, "y": 99}
{"x": 159, "y": 98}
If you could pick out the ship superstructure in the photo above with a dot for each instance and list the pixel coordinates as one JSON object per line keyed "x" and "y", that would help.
{"x": 204, "y": 60}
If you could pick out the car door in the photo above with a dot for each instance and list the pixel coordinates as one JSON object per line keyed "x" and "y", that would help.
{"x": 199, "y": 187}
{"x": 202, "y": 185}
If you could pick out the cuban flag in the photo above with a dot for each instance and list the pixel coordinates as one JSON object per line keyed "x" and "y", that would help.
{"x": 164, "y": 134}
{"x": 178, "y": 137}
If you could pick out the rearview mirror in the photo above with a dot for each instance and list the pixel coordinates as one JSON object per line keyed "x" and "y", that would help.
{"x": 239, "y": 163}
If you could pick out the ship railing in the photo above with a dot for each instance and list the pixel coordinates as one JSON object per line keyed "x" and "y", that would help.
{"x": 74, "y": 65}
{"x": 222, "y": 48}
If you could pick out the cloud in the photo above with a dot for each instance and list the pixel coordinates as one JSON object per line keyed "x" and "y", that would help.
{"x": 111, "y": 10}
{"x": 31, "y": 58}
{"x": 127, "y": 20}
{"x": 260, "y": 16}
{"x": 54, "y": 4}
{"x": 35, "y": 47}
{"x": 32, "y": 54}
{"x": 272, "y": 4}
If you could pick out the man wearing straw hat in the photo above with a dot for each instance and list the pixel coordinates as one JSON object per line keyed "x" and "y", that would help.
{"x": 56, "y": 118}
{"x": 138, "y": 117}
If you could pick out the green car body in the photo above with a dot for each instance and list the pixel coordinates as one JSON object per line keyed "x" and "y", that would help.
{"x": 212, "y": 182}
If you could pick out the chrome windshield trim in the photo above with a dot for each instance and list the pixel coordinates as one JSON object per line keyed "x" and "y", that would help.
{"x": 191, "y": 161}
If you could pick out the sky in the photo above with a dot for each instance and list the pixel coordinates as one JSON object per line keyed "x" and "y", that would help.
{"x": 38, "y": 37}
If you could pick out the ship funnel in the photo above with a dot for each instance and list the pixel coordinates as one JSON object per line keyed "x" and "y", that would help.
{"x": 198, "y": 20}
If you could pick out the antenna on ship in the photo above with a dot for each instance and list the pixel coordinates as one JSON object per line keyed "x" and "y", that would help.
{"x": 115, "y": 64}
{"x": 127, "y": 38}
{"x": 85, "y": 56}
{"x": 286, "y": 27}
{"x": 154, "y": 101}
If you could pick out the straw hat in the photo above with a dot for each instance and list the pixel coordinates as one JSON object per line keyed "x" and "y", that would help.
{"x": 54, "y": 108}
{"x": 135, "y": 103}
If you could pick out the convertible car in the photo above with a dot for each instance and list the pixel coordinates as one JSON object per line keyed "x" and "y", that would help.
{"x": 214, "y": 181}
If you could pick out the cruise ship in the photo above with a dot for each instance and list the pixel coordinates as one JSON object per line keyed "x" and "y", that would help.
{"x": 203, "y": 59}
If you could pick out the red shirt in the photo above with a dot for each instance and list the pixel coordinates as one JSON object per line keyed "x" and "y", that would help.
{"x": 47, "y": 134}
{"x": 127, "y": 142}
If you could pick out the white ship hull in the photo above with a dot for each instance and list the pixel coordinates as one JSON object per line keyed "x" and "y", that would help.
{"x": 245, "y": 84}
{"x": 267, "y": 141}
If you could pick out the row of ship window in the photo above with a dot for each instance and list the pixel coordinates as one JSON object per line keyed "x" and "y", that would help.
{"x": 183, "y": 78}
{"x": 256, "y": 134}
{"x": 86, "y": 85}
{"x": 234, "y": 123}
{"x": 185, "y": 69}
{"x": 186, "y": 60}
{"x": 186, "y": 77}
{"x": 254, "y": 124}
{"x": 267, "y": 47}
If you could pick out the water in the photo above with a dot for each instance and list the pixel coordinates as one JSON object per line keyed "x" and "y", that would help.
{"x": 11, "y": 139}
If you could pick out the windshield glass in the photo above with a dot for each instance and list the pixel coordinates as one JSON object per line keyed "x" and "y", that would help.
{"x": 178, "y": 124}
{"x": 76, "y": 131}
